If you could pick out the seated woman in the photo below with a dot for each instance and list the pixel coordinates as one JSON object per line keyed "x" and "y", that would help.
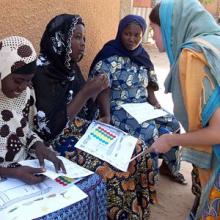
{"x": 18, "y": 141}
{"x": 67, "y": 101}
{"x": 132, "y": 80}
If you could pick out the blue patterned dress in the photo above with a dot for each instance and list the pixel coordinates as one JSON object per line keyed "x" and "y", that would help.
{"x": 128, "y": 83}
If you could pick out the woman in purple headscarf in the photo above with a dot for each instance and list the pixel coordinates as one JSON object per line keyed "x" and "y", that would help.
{"x": 133, "y": 80}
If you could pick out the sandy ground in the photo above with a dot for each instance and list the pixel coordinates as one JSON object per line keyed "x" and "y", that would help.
{"x": 175, "y": 200}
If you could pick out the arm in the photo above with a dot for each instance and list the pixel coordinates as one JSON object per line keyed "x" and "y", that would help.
{"x": 104, "y": 105}
{"x": 23, "y": 173}
{"x": 202, "y": 137}
{"x": 91, "y": 89}
{"x": 194, "y": 97}
{"x": 151, "y": 88}
{"x": 152, "y": 99}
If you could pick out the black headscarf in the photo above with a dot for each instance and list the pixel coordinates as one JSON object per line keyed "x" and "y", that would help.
{"x": 58, "y": 79}
{"x": 115, "y": 47}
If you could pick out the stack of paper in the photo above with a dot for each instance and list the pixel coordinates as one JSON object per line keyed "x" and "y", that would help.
{"x": 17, "y": 198}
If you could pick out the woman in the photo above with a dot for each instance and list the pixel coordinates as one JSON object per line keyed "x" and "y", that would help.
{"x": 18, "y": 141}
{"x": 191, "y": 39}
{"x": 132, "y": 80}
{"x": 58, "y": 76}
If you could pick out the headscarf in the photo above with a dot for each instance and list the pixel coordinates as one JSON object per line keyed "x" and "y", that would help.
{"x": 115, "y": 47}
{"x": 17, "y": 55}
{"x": 55, "y": 47}
{"x": 189, "y": 21}
{"x": 56, "y": 72}
{"x": 181, "y": 21}
{"x": 186, "y": 24}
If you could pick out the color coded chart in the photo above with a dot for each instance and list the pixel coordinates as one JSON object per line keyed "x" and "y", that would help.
{"x": 103, "y": 135}
{"x": 64, "y": 181}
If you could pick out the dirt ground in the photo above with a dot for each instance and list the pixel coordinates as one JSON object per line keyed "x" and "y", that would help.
{"x": 175, "y": 200}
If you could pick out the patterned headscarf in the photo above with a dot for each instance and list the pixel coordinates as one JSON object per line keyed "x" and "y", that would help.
{"x": 57, "y": 75}
{"x": 17, "y": 55}
{"x": 55, "y": 47}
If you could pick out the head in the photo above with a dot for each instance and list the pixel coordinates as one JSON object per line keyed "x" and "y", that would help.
{"x": 130, "y": 31}
{"x": 78, "y": 43}
{"x": 180, "y": 21}
{"x": 17, "y": 65}
{"x": 63, "y": 41}
{"x": 155, "y": 24}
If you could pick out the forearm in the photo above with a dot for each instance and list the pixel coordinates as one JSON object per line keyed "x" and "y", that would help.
{"x": 104, "y": 103}
{"x": 152, "y": 99}
{"x": 74, "y": 107}
{"x": 202, "y": 137}
{"x": 8, "y": 172}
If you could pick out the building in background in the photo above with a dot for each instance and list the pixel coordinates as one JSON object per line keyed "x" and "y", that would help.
{"x": 30, "y": 17}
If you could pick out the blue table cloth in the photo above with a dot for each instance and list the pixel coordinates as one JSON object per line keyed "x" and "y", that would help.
{"x": 91, "y": 208}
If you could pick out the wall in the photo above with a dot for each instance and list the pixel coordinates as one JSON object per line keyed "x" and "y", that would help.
{"x": 29, "y": 18}
{"x": 125, "y": 7}
{"x": 213, "y": 7}
{"x": 143, "y": 3}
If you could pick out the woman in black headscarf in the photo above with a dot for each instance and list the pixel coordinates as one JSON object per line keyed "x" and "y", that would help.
{"x": 62, "y": 99}
{"x": 58, "y": 79}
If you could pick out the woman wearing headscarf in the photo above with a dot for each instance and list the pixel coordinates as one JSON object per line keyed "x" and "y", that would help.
{"x": 17, "y": 110}
{"x": 62, "y": 94}
{"x": 191, "y": 38}
{"x": 18, "y": 141}
{"x": 133, "y": 80}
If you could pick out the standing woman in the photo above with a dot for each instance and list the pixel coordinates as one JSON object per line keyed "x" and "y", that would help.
{"x": 133, "y": 80}
{"x": 191, "y": 38}
{"x": 62, "y": 94}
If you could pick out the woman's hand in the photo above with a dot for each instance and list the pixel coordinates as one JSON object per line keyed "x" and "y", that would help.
{"x": 153, "y": 101}
{"x": 96, "y": 85}
{"x": 162, "y": 144}
{"x": 28, "y": 174}
{"x": 42, "y": 152}
{"x": 105, "y": 119}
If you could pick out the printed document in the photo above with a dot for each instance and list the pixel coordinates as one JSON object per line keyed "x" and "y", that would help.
{"x": 143, "y": 111}
{"x": 19, "y": 201}
{"x": 109, "y": 144}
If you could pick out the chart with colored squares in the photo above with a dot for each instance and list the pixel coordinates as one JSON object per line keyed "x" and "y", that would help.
{"x": 64, "y": 181}
{"x": 108, "y": 143}
{"x": 102, "y": 136}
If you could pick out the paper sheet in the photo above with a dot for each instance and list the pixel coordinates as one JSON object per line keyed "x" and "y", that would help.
{"x": 19, "y": 201}
{"x": 73, "y": 170}
{"x": 109, "y": 144}
{"x": 143, "y": 111}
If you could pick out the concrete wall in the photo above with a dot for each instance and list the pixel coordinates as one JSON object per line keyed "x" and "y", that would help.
{"x": 213, "y": 7}
{"x": 125, "y": 7}
{"x": 29, "y": 18}
{"x": 143, "y": 3}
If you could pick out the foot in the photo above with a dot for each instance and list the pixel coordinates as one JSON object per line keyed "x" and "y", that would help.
{"x": 178, "y": 178}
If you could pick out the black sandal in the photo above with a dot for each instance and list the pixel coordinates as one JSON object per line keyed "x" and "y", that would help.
{"x": 179, "y": 178}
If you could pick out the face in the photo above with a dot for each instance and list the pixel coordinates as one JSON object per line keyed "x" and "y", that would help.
{"x": 78, "y": 43}
{"x": 131, "y": 36}
{"x": 157, "y": 37}
{"x": 14, "y": 84}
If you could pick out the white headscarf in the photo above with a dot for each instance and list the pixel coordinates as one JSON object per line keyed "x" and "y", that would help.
{"x": 15, "y": 52}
